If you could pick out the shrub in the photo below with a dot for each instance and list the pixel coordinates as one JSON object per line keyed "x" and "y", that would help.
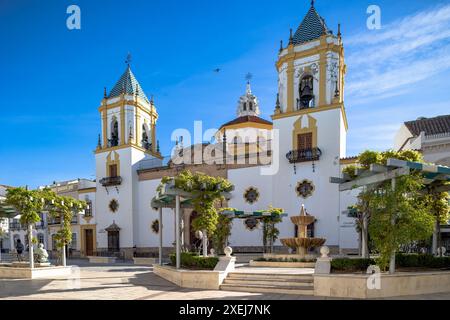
{"x": 351, "y": 265}
{"x": 421, "y": 261}
{"x": 191, "y": 260}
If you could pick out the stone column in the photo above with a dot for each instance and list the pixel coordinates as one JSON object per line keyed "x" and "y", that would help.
{"x": 160, "y": 236}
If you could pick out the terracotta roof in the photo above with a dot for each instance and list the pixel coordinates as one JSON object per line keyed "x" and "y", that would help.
{"x": 244, "y": 119}
{"x": 430, "y": 126}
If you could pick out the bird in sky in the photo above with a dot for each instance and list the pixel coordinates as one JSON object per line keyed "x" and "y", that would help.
{"x": 217, "y": 70}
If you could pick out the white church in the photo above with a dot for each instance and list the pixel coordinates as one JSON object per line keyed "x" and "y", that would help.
{"x": 287, "y": 161}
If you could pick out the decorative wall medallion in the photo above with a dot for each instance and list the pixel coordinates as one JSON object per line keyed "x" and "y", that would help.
{"x": 155, "y": 226}
{"x": 113, "y": 205}
{"x": 304, "y": 188}
{"x": 251, "y": 223}
{"x": 251, "y": 195}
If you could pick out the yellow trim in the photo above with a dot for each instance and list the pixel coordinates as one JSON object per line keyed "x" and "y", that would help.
{"x": 129, "y": 145}
{"x": 322, "y": 47}
{"x": 122, "y": 124}
{"x": 290, "y": 86}
{"x": 87, "y": 190}
{"x": 312, "y": 128}
{"x": 110, "y": 161}
{"x": 105, "y": 126}
{"x": 83, "y": 227}
{"x": 313, "y": 110}
{"x": 323, "y": 74}
{"x": 122, "y": 101}
{"x": 244, "y": 125}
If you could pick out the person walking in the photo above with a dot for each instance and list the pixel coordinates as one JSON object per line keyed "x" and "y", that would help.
{"x": 19, "y": 249}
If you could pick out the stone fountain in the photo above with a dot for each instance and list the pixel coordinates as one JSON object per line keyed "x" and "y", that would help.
{"x": 302, "y": 243}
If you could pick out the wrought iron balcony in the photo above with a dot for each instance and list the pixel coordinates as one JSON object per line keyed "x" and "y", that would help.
{"x": 304, "y": 155}
{"x": 111, "y": 181}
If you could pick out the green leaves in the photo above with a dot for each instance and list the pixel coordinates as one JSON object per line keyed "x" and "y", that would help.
{"x": 206, "y": 190}
{"x": 29, "y": 203}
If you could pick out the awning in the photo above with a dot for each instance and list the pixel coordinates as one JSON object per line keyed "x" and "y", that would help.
{"x": 7, "y": 211}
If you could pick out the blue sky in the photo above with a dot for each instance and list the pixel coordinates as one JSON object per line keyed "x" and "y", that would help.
{"x": 52, "y": 78}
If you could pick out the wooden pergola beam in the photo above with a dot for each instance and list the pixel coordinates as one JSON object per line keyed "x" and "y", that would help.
{"x": 375, "y": 178}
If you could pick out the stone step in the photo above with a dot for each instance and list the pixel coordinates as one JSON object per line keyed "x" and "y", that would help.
{"x": 279, "y": 282}
{"x": 268, "y": 289}
{"x": 270, "y": 276}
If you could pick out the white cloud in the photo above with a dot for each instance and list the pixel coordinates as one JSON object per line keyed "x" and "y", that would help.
{"x": 383, "y": 63}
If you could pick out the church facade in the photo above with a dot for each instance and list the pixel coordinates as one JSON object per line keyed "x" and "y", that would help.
{"x": 285, "y": 162}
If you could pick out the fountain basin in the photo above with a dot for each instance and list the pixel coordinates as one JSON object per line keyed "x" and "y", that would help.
{"x": 307, "y": 243}
{"x": 302, "y": 220}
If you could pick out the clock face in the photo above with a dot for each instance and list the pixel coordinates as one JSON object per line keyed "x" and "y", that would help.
{"x": 251, "y": 195}
{"x": 305, "y": 188}
{"x": 113, "y": 205}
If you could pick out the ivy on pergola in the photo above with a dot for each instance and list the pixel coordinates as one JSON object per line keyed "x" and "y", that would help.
{"x": 30, "y": 203}
{"x": 433, "y": 178}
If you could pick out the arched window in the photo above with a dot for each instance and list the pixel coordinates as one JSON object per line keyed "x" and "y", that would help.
{"x": 250, "y": 106}
{"x": 40, "y": 238}
{"x": 245, "y": 106}
{"x": 306, "y": 92}
{"x": 114, "y": 141}
{"x": 146, "y": 144}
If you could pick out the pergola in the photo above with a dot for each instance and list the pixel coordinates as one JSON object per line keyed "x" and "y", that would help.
{"x": 8, "y": 212}
{"x": 434, "y": 176}
{"x": 176, "y": 199}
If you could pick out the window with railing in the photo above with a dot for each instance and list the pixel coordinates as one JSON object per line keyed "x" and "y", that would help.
{"x": 88, "y": 210}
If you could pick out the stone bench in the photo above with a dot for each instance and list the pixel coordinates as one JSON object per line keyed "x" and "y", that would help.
{"x": 99, "y": 259}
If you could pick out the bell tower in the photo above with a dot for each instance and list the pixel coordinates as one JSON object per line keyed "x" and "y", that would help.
{"x": 128, "y": 122}
{"x": 311, "y": 122}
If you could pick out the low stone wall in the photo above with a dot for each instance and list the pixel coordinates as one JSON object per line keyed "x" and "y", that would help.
{"x": 196, "y": 279}
{"x": 145, "y": 261}
{"x": 277, "y": 264}
{"x": 99, "y": 259}
{"x": 399, "y": 284}
{"x": 35, "y": 273}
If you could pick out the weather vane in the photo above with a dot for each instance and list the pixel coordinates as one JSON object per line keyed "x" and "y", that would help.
{"x": 248, "y": 77}
{"x": 128, "y": 60}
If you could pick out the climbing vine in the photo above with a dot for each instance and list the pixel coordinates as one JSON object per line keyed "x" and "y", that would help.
{"x": 398, "y": 215}
{"x": 29, "y": 203}
{"x": 223, "y": 231}
{"x": 206, "y": 191}
{"x": 270, "y": 231}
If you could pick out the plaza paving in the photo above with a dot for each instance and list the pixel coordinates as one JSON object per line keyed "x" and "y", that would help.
{"x": 128, "y": 282}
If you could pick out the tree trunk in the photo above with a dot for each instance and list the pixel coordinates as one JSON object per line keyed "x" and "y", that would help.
{"x": 434, "y": 244}
{"x": 205, "y": 244}
{"x": 364, "y": 244}
{"x": 30, "y": 245}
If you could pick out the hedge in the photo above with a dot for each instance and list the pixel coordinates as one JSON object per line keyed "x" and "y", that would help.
{"x": 351, "y": 265}
{"x": 422, "y": 261}
{"x": 402, "y": 260}
{"x": 192, "y": 260}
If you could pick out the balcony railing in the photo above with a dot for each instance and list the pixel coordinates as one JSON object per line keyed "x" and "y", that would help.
{"x": 304, "y": 155}
{"x": 111, "y": 181}
{"x": 16, "y": 226}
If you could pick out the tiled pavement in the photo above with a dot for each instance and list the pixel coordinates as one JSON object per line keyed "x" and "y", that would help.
{"x": 128, "y": 282}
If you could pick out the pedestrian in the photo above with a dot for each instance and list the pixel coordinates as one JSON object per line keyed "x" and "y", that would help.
{"x": 19, "y": 249}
